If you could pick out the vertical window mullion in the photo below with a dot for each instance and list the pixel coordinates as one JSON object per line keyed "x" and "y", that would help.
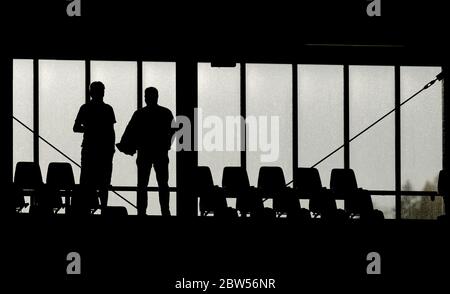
{"x": 294, "y": 118}
{"x": 398, "y": 157}
{"x": 87, "y": 75}
{"x": 445, "y": 122}
{"x": 346, "y": 117}
{"x": 36, "y": 110}
{"x": 243, "y": 115}
{"x": 139, "y": 84}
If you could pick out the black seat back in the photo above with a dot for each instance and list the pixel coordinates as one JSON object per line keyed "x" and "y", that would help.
{"x": 307, "y": 180}
{"x": 444, "y": 183}
{"x": 271, "y": 180}
{"x": 272, "y": 184}
{"x": 444, "y": 189}
{"x": 60, "y": 176}
{"x": 60, "y": 182}
{"x": 307, "y": 183}
{"x": 343, "y": 181}
{"x": 28, "y": 181}
{"x": 203, "y": 179}
{"x": 235, "y": 180}
{"x": 212, "y": 198}
{"x": 236, "y": 184}
{"x": 343, "y": 184}
{"x": 28, "y": 175}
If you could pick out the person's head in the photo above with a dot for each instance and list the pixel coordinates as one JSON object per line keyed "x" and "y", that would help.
{"x": 97, "y": 90}
{"x": 151, "y": 96}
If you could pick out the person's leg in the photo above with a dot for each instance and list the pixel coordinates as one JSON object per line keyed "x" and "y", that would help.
{"x": 144, "y": 169}
{"x": 105, "y": 179}
{"x": 84, "y": 175}
{"x": 76, "y": 201}
{"x": 162, "y": 177}
{"x": 103, "y": 196}
{"x": 88, "y": 179}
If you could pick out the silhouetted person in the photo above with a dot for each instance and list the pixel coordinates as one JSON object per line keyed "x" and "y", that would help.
{"x": 96, "y": 121}
{"x": 149, "y": 133}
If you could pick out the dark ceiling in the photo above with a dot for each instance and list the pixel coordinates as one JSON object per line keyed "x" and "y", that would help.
{"x": 263, "y": 31}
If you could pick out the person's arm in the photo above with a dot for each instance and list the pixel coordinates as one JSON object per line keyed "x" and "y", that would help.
{"x": 172, "y": 130}
{"x": 113, "y": 117}
{"x": 127, "y": 143}
{"x": 79, "y": 127}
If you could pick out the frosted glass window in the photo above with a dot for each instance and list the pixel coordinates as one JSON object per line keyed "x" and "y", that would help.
{"x": 372, "y": 155}
{"x": 320, "y": 117}
{"x": 22, "y": 110}
{"x": 61, "y": 93}
{"x": 421, "y": 136}
{"x": 269, "y": 102}
{"x": 219, "y": 96}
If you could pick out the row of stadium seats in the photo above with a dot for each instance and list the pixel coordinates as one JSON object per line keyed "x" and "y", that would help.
{"x": 272, "y": 185}
{"x": 60, "y": 183}
{"x": 46, "y": 198}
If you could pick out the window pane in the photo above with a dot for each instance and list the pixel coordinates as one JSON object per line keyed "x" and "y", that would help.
{"x": 421, "y": 123}
{"x": 320, "y": 118}
{"x": 422, "y": 207}
{"x": 219, "y": 96}
{"x": 385, "y": 203}
{"x": 61, "y": 93}
{"x": 162, "y": 75}
{"x": 269, "y": 118}
{"x": 22, "y": 110}
{"x": 372, "y": 94}
{"x": 372, "y": 155}
{"x": 120, "y": 79}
